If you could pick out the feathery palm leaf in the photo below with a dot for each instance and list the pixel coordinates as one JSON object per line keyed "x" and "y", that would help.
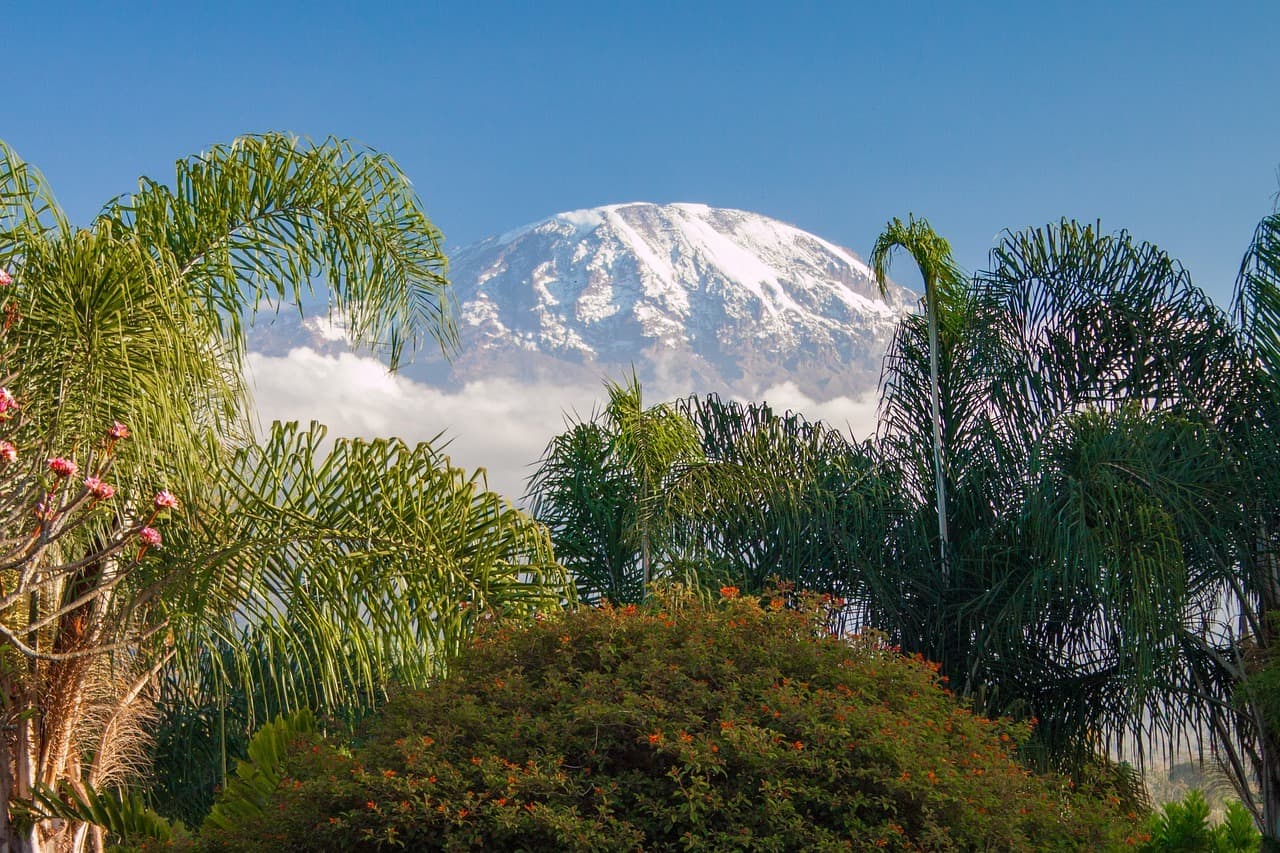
{"x": 324, "y": 576}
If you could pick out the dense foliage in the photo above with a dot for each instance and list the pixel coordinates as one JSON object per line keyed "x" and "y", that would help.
{"x": 602, "y": 488}
{"x": 681, "y": 725}
{"x": 290, "y": 574}
{"x": 1186, "y": 824}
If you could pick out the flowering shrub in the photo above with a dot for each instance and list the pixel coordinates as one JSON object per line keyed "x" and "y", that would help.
{"x": 683, "y": 725}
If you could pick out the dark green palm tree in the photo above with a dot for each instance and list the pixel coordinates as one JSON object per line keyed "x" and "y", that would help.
{"x": 1240, "y": 689}
{"x": 1089, "y": 491}
{"x": 780, "y": 497}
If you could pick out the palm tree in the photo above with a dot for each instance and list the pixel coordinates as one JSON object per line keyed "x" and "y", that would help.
{"x": 602, "y": 485}
{"x": 780, "y": 497}
{"x": 327, "y": 574}
{"x": 1238, "y": 689}
{"x": 942, "y": 278}
{"x": 140, "y": 318}
{"x": 1091, "y": 510}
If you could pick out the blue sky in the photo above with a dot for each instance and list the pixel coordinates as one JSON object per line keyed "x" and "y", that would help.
{"x": 1163, "y": 118}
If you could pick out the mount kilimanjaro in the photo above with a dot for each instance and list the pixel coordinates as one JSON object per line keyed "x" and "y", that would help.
{"x": 695, "y": 298}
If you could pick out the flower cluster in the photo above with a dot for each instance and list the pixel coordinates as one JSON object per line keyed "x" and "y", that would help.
{"x": 100, "y": 490}
{"x": 51, "y": 506}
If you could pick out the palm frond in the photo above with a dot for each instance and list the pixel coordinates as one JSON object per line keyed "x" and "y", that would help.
{"x": 316, "y": 578}
{"x": 268, "y": 217}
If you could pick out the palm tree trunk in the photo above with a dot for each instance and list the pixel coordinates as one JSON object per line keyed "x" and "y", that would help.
{"x": 645, "y": 566}
{"x": 931, "y": 311}
{"x": 1269, "y": 780}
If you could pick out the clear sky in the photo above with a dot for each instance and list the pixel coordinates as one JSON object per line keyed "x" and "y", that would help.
{"x": 1163, "y": 118}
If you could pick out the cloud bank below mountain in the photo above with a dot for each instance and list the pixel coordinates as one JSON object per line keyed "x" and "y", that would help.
{"x": 502, "y": 425}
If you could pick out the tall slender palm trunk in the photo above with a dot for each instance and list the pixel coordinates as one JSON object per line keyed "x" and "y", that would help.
{"x": 935, "y": 402}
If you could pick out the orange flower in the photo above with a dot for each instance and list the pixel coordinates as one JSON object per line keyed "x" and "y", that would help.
{"x": 775, "y": 604}
{"x": 728, "y": 592}
{"x": 630, "y": 609}
{"x": 655, "y": 738}
{"x": 797, "y": 745}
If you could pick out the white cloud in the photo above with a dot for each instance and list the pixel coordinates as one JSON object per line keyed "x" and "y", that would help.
{"x": 501, "y": 425}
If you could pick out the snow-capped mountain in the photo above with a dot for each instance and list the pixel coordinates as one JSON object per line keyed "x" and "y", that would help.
{"x": 696, "y": 299}
{"x": 716, "y": 299}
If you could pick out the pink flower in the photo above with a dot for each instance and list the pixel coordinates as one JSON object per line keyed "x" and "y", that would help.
{"x": 118, "y": 430}
{"x": 7, "y": 400}
{"x": 165, "y": 499}
{"x": 43, "y": 512}
{"x": 5, "y": 278}
{"x": 62, "y": 467}
{"x": 150, "y": 536}
{"x": 99, "y": 489}
{"x": 8, "y": 452}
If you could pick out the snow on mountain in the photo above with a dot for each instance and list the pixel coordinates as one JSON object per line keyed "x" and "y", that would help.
{"x": 719, "y": 299}
{"x": 696, "y": 299}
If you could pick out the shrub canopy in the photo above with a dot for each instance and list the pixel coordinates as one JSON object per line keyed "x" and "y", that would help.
{"x": 689, "y": 725}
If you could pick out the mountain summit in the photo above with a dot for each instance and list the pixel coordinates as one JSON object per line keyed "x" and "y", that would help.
{"x": 696, "y": 299}
{"x": 715, "y": 299}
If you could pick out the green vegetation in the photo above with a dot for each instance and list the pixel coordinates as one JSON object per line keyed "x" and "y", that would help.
{"x": 1069, "y": 511}
{"x": 602, "y": 486}
{"x": 285, "y": 576}
{"x": 679, "y": 725}
{"x": 1102, "y": 456}
{"x": 1186, "y": 825}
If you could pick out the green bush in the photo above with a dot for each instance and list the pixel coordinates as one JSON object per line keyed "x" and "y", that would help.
{"x": 685, "y": 725}
{"x": 1185, "y": 826}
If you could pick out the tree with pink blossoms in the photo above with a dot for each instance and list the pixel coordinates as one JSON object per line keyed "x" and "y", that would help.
{"x": 123, "y": 348}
